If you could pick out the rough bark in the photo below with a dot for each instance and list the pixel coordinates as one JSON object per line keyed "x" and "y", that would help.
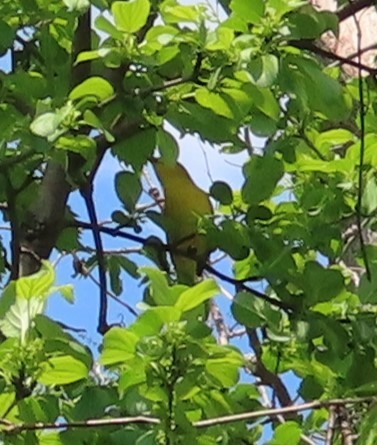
{"x": 45, "y": 219}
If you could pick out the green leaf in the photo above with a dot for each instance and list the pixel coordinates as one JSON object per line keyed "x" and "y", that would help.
{"x": 369, "y": 197}
{"x": 84, "y": 145}
{"x": 97, "y": 87}
{"x": 321, "y": 284}
{"x": 234, "y": 239}
{"x": 168, "y": 146}
{"x": 214, "y": 101}
{"x": 8, "y": 297}
{"x": 173, "y": 13}
{"x": 264, "y": 70}
{"x": 195, "y": 296}
{"x": 50, "y": 438}
{"x": 192, "y": 118}
{"x": 67, "y": 291}
{"x": 119, "y": 346}
{"x": 94, "y": 402}
{"x": 37, "y": 285}
{"x": 221, "y": 192}
{"x": 46, "y": 125}
{"x": 18, "y": 319}
{"x": 368, "y": 430}
{"x": 160, "y": 36}
{"x": 62, "y": 371}
{"x": 251, "y": 12}
{"x": 48, "y": 328}
{"x": 248, "y": 310}
{"x": 6, "y": 401}
{"x": 367, "y": 291}
{"x": 224, "y": 371}
{"x": 51, "y": 125}
{"x": 152, "y": 320}
{"x": 128, "y": 266}
{"x": 114, "y": 272}
{"x": 160, "y": 291}
{"x": 105, "y": 25}
{"x": 288, "y": 432}
{"x": 128, "y": 188}
{"x": 91, "y": 119}
{"x": 314, "y": 89}
{"x": 7, "y": 34}
{"x": 133, "y": 376}
{"x": 220, "y": 39}
{"x": 311, "y": 24}
{"x": 137, "y": 149}
{"x": 130, "y": 16}
{"x": 366, "y": 390}
{"x": 77, "y": 5}
{"x": 266, "y": 171}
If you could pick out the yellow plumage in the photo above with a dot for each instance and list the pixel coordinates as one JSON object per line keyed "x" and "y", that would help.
{"x": 185, "y": 204}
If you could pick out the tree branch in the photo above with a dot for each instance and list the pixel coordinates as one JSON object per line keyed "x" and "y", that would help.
{"x": 11, "y": 427}
{"x": 352, "y": 8}
{"x": 242, "y": 286}
{"x": 309, "y": 45}
{"x": 267, "y": 377}
{"x": 86, "y": 192}
{"x": 81, "y": 269}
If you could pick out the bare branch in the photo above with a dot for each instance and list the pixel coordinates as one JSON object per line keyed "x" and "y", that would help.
{"x": 11, "y": 427}
{"x": 266, "y": 376}
{"x": 221, "y": 327}
{"x": 310, "y": 46}
{"x": 331, "y": 427}
{"x": 87, "y": 273}
{"x": 352, "y": 8}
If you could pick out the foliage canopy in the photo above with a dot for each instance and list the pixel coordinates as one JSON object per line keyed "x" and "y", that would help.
{"x": 88, "y": 78}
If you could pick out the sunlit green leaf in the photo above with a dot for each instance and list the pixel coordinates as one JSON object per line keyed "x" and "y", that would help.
{"x": 62, "y": 371}
{"x": 250, "y": 12}
{"x": 193, "y": 297}
{"x": 36, "y": 285}
{"x": 119, "y": 346}
{"x": 130, "y": 16}
{"x": 97, "y": 87}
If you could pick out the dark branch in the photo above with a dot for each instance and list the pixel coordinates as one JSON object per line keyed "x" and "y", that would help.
{"x": 242, "y": 286}
{"x": 81, "y": 42}
{"x": 309, "y": 45}
{"x": 360, "y": 188}
{"x": 193, "y": 77}
{"x": 87, "y": 194}
{"x": 266, "y": 376}
{"x": 352, "y": 8}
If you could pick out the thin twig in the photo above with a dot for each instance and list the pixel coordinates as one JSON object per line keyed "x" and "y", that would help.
{"x": 331, "y": 427}
{"x": 310, "y": 46}
{"x": 353, "y": 8}
{"x": 240, "y": 417}
{"x": 242, "y": 286}
{"x": 360, "y": 188}
{"x": 85, "y": 272}
{"x": 221, "y": 327}
{"x": 143, "y": 93}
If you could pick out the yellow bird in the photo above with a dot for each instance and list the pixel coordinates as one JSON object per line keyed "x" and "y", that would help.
{"x": 185, "y": 204}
